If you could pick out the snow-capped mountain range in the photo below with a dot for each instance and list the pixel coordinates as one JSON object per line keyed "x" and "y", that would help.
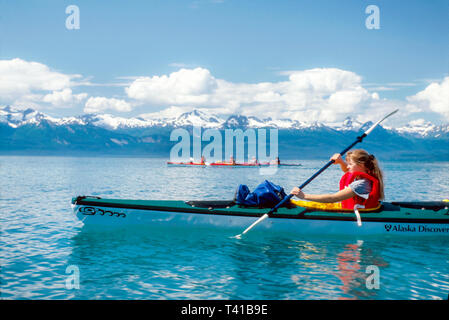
{"x": 15, "y": 118}
{"x": 18, "y": 117}
{"x": 30, "y": 132}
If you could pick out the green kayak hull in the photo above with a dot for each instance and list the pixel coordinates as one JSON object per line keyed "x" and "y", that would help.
{"x": 401, "y": 218}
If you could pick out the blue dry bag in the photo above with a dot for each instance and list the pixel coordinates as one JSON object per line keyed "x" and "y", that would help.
{"x": 266, "y": 194}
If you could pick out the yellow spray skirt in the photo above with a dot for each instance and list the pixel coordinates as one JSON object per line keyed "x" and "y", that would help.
{"x": 327, "y": 206}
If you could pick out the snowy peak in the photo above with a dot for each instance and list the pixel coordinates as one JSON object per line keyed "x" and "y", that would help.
{"x": 197, "y": 118}
{"x": 348, "y": 124}
{"x": 423, "y": 128}
{"x": 16, "y": 117}
{"x": 254, "y": 122}
{"x": 367, "y": 125}
{"x": 419, "y": 127}
{"x": 236, "y": 121}
{"x": 351, "y": 124}
{"x": 111, "y": 122}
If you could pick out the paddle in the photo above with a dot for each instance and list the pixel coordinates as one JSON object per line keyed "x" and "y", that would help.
{"x": 287, "y": 198}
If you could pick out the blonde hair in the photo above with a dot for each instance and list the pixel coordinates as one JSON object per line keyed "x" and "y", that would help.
{"x": 371, "y": 165}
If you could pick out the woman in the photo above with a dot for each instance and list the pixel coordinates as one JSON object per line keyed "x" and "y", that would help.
{"x": 275, "y": 161}
{"x": 253, "y": 161}
{"x": 232, "y": 160}
{"x": 361, "y": 184}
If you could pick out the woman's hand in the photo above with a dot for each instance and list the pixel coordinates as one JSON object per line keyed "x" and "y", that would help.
{"x": 297, "y": 192}
{"x": 337, "y": 159}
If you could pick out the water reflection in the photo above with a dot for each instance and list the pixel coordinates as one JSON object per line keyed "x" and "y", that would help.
{"x": 302, "y": 269}
{"x": 167, "y": 263}
{"x": 353, "y": 271}
{"x": 315, "y": 269}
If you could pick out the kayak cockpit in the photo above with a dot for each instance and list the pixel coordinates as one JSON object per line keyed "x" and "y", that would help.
{"x": 213, "y": 204}
{"x": 424, "y": 205}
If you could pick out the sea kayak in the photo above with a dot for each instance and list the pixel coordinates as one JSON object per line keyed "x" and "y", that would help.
{"x": 224, "y": 164}
{"x": 390, "y": 218}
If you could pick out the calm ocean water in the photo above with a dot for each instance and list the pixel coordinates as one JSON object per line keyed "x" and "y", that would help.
{"x": 41, "y": 240}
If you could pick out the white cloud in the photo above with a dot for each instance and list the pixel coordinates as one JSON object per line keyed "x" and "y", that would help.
{"x": 316, "y": 94}
{"x": 64, "y": 98}
{"x": 178, "y": 65}
{"x": 32, "y": 83}
{"x": 186, "y": 86}
{"x": 435, "y": 97}
{"x": 383, "y": 88}
{"x": 19, "y": 77}
{"x": 320, "y": 94}
{"x": 402, "y": 84}
{"x": 100, "y": 104}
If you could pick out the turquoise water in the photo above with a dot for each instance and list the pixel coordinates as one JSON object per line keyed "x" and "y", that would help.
{"x": 42, "y": 242}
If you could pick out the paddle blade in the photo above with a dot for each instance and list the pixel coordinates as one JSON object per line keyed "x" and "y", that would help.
{"x": 239, "y": 236}
{"x": 367, "y": 132}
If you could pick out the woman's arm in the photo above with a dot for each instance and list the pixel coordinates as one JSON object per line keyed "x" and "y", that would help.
{"x": 338, "y": 159}
{"x": 341, "y": 195}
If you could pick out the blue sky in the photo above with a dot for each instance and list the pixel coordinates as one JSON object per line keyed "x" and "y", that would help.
{"x": 239, "y": 42}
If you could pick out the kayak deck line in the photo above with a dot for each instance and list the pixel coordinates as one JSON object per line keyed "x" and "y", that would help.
{"x": 387, "y": 212}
